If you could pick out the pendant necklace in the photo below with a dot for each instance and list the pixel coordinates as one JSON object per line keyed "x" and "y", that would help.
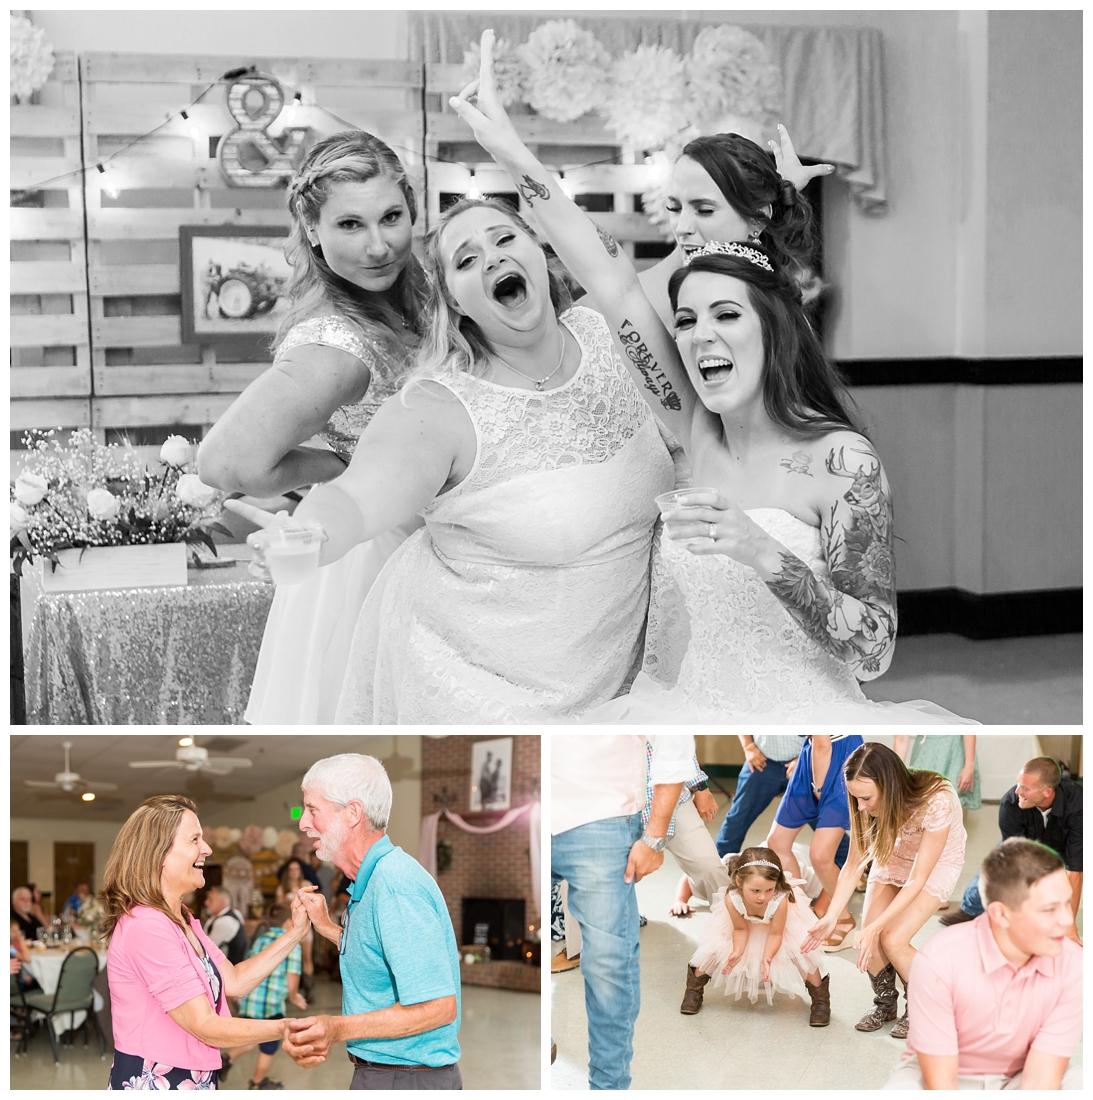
{"x": 539, "y": 382}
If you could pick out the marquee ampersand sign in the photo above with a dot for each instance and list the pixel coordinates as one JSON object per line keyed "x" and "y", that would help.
{"x": 248, "y": 155}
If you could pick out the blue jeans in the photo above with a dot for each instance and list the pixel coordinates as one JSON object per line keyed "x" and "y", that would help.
{"x": 755, "y": 790}
{"x": 971, "y": 902}
{"x": 592, "y": 859}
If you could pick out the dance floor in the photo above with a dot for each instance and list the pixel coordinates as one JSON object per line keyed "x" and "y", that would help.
{"x": 717, "y": 1048}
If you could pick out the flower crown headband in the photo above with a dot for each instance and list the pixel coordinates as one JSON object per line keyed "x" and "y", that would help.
{"x": 759, "y": 863}
{"x": 732, "y": 248}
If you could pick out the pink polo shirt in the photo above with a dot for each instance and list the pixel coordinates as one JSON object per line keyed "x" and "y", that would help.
{"x": 966, "y": 998}
{"x": 152, "y": 969}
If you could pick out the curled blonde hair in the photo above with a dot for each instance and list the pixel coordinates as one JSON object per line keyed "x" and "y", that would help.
{"x": 134, "y": 871}
{"x": 901, "y": 792}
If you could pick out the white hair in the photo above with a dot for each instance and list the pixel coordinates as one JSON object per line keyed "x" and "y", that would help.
{"x": 353, "y": 777}
{"x": 22, "y": 889}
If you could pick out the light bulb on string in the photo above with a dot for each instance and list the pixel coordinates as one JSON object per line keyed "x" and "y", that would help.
{"x": 473, "y": 191}
{"x": 294, "y": 108}
{"x": 107, "y": 183}
{"x": 195, "y": 133}
{"x": 566, "y": 184}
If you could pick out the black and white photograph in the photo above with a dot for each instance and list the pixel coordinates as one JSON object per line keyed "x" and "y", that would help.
{"x": 488, "y": 368}
{"x": 272, "y": 913}
{"x": 491, "y": 774}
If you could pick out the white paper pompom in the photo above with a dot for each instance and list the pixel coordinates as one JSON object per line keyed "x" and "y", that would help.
{"x": 567, "y": 70}
{"x": 730, "y": 72}
{"x": 648, "y": 96}
{"x": 31, "y": 57}
{"x": 269, "y": 837}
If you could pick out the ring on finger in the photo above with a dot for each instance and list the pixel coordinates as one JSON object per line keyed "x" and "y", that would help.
{"x": 713, "y": 532}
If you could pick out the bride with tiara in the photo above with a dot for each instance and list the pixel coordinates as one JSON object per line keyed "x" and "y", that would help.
{"x": 776, "y": 571}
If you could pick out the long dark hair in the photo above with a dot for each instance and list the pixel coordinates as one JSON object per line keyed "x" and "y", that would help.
{"x": 352, "y": 156}
{"x": 747, "y": 177}
{"x": 802, "y": 390}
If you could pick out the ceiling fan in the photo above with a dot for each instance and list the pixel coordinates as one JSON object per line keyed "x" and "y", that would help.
{"x": 400, "y": 767}
{"x": 69, "y": 781}
{"x": 195, "y": 759}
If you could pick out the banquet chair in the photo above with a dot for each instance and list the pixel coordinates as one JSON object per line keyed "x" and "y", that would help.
{"x": 20, "y": 1017}
{"x": 73, "y": 994}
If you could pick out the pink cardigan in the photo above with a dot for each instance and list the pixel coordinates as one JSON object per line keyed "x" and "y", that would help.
{"x": 152, "y": 968}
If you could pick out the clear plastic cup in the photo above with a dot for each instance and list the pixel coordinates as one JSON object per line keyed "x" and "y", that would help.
{"x": 293, "y": 554}
{"x": 681, "y": 498}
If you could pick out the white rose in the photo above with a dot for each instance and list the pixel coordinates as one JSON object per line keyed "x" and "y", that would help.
{"x": 175, "y": 451}
{"x": 30, "y": 488}
{"x": 102, "y": 504}
{"x": 18, "y": 519}
{"x": 192, "y": 490}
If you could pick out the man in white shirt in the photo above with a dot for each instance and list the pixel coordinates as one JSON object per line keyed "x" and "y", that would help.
{"x": 601, "y": 849}
{"x": 224, "y": 925}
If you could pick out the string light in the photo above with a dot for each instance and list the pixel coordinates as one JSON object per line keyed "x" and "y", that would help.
{"x": 88, "y": 796}
{"x": 106, "y": 182}
{"x": 473, "y": 191}
{"x": 294, "y": 107}
{"x": 566, "y": 184}
{"x": 195, "y": 133}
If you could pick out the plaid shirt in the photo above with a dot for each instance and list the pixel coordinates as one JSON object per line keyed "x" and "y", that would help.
{"x": 268, "y": 998}
{"x": 699, "y": 777}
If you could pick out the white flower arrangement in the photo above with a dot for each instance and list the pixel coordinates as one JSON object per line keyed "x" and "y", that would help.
{"x": 31, "y": 57}
{"x": 730, "y": 72}
{"x": 567, "y": 70}
{"x": 509, "y": 69}
{"x": 648, "y": 96}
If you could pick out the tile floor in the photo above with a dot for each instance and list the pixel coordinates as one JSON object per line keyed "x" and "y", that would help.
{"x": 500, "y": 1039}
{"x": 721, "y": 1047}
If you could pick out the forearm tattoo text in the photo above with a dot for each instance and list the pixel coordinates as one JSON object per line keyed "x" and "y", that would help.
{"x": 655, "y": 380}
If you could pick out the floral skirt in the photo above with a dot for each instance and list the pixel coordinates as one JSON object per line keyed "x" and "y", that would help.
{"x": 130, "y": 1071}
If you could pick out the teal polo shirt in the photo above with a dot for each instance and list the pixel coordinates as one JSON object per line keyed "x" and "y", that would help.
{"x": 399, "y": 947}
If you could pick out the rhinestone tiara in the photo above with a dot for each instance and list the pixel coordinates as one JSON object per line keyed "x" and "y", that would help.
{"x": 732, "y": 248}
{"x": 759, "y": 863}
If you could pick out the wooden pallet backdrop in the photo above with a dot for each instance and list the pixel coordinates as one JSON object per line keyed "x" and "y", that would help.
{"x": 50, "y": 352}
{"x": 96, "y": 331}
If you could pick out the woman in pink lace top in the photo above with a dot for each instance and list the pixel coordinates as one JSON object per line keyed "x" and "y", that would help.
{"x": 909, "y": 824}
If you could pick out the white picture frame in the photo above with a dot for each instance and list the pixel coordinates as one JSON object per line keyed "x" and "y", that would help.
{"x": 491, "y": 775}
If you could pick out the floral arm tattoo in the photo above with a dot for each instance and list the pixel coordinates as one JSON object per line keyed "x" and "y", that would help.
{"x": 852, "y": 613}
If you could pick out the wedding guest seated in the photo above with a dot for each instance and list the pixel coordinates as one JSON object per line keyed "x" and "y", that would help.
{"x": 22, "y": 914}
{"x": 80, "y": 893}
{"x": 997, "y": 1003}
{"x": 1042, "y": 806}
{"x": 36, "y": 909}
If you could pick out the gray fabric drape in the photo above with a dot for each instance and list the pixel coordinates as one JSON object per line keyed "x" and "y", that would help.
{"x": 834, "y": 78}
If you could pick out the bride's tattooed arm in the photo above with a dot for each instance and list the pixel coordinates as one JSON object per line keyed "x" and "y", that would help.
{"x": 852, "y": 612}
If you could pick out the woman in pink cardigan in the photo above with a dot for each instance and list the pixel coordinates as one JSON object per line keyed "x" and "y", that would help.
{"x": 169, "y": 983}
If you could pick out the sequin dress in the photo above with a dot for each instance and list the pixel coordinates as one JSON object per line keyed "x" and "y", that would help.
{"x": 942, "y": 811}
{"x": 786, "y": 968}
{"x": 524, "y": 597}
{"x": 723, "y": 648}
{"x": 310, "y": 626}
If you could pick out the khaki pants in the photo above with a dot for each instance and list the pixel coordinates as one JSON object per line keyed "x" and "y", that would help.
{"x": 908, "y": 1075}
{"x": 693, "y": 849}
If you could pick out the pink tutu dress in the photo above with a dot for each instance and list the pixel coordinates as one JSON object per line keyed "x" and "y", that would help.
{"x": 745, "y": 977}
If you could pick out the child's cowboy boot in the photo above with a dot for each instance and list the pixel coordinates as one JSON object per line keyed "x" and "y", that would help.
{"x": 820, "y": 1016}
{"x": 692, "y": 999}
{"x": 885, "y": 1000}
{"x": 902, "y": 1026}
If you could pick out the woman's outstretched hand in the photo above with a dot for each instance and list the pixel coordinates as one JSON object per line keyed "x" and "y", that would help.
{"x": 818, "y": 933}
{"x": 789, "y": 164}
{"x": 486, "y": 116}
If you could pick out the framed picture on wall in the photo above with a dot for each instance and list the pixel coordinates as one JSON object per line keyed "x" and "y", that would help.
{"x": 491, "y": 774}
{"x": 233, "y": 279}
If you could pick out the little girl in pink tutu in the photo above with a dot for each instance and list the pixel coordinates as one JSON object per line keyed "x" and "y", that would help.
{"x": 758, "y": 924}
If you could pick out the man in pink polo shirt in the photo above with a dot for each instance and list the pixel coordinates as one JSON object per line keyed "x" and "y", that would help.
{"x": 996, "y": 1003}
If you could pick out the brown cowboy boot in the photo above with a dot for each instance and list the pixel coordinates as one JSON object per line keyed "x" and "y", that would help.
{"x": 820, "y": 1016}
{"x": 692, "y": 999}
{"x": 902, "y": 1026}
{"x": 885, "y": 1000}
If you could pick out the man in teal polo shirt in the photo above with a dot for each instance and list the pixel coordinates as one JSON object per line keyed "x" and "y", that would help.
{"x": 399, "y": 962}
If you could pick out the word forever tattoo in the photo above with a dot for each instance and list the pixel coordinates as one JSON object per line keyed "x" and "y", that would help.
{"x": 852, "y": 615}
{"x": 608, "y": 242}
{"x": 654, "y": 379}
{"x": 532, "y": 189}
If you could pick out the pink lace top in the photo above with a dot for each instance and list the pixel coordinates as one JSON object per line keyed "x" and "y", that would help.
{"x": 942, "y": 811}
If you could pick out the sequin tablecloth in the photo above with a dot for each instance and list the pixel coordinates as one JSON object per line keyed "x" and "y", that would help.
{"x": 156, "y": 656}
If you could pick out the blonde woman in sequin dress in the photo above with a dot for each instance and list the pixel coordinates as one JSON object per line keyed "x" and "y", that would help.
{"x": 524, "y": 597}
{"x": 357, "y": 294}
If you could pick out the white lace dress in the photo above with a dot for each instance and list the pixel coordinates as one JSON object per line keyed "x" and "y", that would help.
{"x": 305, "y": 645}
{"x": 524, "y": 598}
{"x": 723, "y": 648}
{"x": 786, "y": 967}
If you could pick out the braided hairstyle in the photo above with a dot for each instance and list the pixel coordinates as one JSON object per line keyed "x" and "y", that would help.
{"x": 747, "y": 177}
{"x": 802, "y": 390}
{"x": 353, "y": 156}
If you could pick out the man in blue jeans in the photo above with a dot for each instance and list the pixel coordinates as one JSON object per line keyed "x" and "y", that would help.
{"x": 599, "y": 847}
{"x": 769, "y": 760}
{"x": 1042, "y": 806}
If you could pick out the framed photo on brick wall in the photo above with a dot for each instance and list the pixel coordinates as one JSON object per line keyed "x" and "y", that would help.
{"x": 491, "y": 775}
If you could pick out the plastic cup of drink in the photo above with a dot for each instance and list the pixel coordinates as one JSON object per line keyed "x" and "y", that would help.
{"x": 682, "y": 498}
{"x": 293, "y": 554}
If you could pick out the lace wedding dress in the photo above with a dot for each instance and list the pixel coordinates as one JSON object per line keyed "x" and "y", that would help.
{"x": 306, "y": 641}
{"x": 723, "y": 648}
{"x": 524, "y": 597}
